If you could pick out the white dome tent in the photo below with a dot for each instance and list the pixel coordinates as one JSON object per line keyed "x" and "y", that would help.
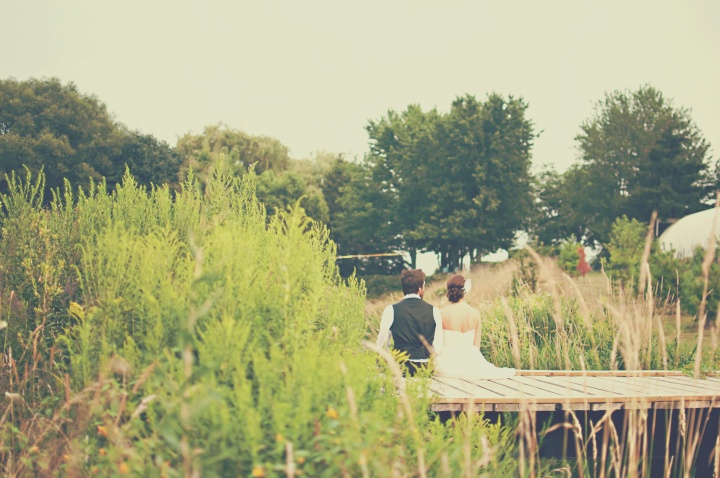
{"x": 690, "y": 232}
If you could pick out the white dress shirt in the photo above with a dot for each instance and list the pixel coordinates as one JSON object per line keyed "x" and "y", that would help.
{"x": 388, "y": 317}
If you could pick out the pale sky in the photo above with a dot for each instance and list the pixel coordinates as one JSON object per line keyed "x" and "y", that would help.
{"x": 312, "y": 74}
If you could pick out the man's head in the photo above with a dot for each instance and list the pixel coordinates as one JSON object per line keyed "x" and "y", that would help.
{"x": 413, "y": 282}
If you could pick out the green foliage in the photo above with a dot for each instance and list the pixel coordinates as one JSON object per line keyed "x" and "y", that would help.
{"x": 51, "y": 127}
{"x": 277, "y": 191}
{"x": 199, "y": 152}
{"x": 569, "y": 256}
{"x": 457, "y": 183}
{"x": 379, "y": 285}
{"x": 639, "y": 153}
{"x": 149, "y": 160}
{"x": 692, "y": 284}
{"x": 568, "y": 341}
{"x": 200, "y": 338}
{"x": 527, "y": 275}
{"x": 627, "y": 241}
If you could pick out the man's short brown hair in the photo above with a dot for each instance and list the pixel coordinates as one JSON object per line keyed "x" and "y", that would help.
{"x": 412, "y": 281}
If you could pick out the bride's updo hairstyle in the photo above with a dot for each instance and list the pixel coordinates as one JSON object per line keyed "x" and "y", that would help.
{"x": 455, "y": 288}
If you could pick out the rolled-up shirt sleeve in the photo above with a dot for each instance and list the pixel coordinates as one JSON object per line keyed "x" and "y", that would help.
{"x": 438, "y": 341}
{"x": 383, "y": 338}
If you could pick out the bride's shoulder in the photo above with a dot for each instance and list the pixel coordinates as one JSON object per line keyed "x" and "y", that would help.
{"x": 448, "y": 307}
{"x": 470, "y": 308}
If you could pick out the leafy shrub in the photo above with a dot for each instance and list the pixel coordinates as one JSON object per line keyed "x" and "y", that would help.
{"x": 569, "y": 256}
{"x": 527, "y": 275}
{"x": 692, "y": 284}
{"x": 379, "y": 285}
{"x": 627, "y": 241}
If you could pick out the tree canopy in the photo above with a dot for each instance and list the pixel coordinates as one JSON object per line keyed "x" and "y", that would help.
{"x": 277, "y": 191}
{"x": 454, "y": 183}
{"x": 51, "y": 126}
{"x": 242, "y": 150}
{"x": 638, "y": 153}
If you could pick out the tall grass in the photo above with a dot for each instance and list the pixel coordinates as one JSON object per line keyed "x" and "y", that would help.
{"x": 567, "y": 326}
{"x": 159, "y": 334}
{"x": 189, "y": 336}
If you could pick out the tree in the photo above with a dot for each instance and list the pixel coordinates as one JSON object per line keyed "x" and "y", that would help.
{"x": 47, "y": 125}
{"x": 403, "y": 161}
{"x": 242, "y": 150}
{"x": 277, "y": 191}
{"x": 69, "y": 135}
{"x": 485, "y": 194}
{"x": 640, "y": 153}
{"x": 456, "y": 183}
{"x": 149, "y": 160}
{"x": 569, "y": 255}
{"x": 627, "y": 240}
{"x": 358, "y": 220}
{"x": 560, "y": 206}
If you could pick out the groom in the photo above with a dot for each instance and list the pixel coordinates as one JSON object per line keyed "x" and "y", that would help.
{"x": 412, "y": 321}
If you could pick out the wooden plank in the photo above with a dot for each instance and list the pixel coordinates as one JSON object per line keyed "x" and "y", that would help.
{"x": 664, "y": 387}
{"x": 446, "y": 407}
{"x": 710, "y": 379}
{"x": 601, "y": 386}
{"x": 533, "y": 407}
{"x": 678, "y": 404}
{"x": 607, "y": 385}
{"x": 501, "y": 386}
{"x": 466, "y": 388}
{"x": 573, "y": 392}
{"x": 652, "y": 387}
{"x": 507, "y": 386}
{"x": 549, "y": 389}
{"x": 600, "y": 373}
{"x": 651, "y": 393}
{"x": 693, "y": 382}
{"x": 446, "y": 391}
{"x": 580, "y": 386}
{"x": 628, "y": 385}
{"x": 606, "y": 406}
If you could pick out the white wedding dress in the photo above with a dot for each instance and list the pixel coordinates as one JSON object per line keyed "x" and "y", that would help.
{"x": 461, "y": 359}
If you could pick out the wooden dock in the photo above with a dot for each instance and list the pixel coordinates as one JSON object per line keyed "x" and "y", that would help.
{"x": 539, "y": 390}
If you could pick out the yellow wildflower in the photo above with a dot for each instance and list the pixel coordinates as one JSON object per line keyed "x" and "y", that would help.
{"x": 123, "y": 468}
{"x": 332, "y": 413}
{"x": 301, "y": 460}
{"x": 258, "y": 472}
{"x": 279, "y": 438}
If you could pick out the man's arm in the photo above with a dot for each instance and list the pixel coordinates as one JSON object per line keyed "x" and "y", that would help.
{"x": 438, "y": 341}
{"x": 383, "y": 338}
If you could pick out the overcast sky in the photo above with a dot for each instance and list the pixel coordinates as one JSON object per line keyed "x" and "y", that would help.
{"x": 313, "y": 73}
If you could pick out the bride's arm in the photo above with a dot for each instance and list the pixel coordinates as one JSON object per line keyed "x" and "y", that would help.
{"x": 478, "y": 331}
{"x": 439, "y": 339}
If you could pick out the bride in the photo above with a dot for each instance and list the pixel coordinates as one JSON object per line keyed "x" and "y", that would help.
{"x": 461, "y": 357}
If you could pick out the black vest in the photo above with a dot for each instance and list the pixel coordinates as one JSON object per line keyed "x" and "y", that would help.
{"x": 413, "y": 318}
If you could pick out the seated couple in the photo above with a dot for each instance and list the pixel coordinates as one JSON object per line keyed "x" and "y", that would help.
{"x": 452, "y": 334}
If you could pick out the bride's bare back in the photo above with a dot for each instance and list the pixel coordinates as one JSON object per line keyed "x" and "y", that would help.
{"x": 462, "y": 318}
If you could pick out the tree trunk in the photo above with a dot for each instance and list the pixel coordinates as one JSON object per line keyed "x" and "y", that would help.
{"x": 413, "y": 257}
